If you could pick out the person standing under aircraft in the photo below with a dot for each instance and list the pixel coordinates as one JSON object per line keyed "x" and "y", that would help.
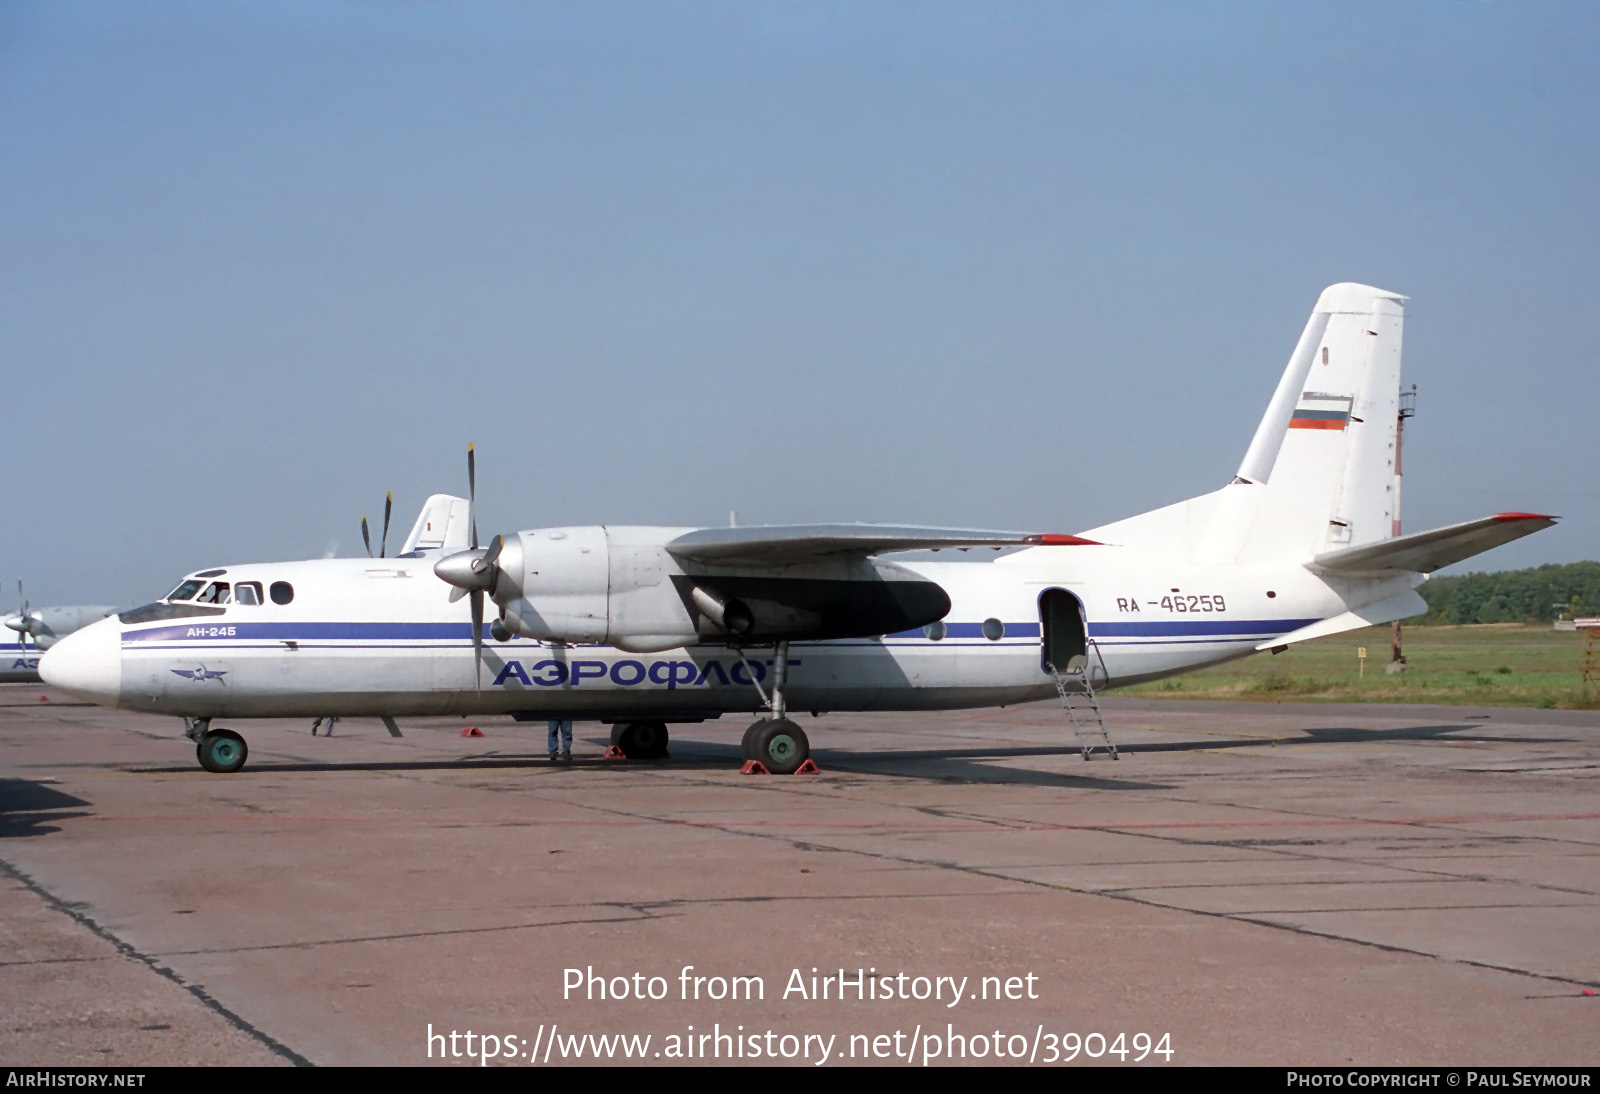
{"x": 561, "y": 728}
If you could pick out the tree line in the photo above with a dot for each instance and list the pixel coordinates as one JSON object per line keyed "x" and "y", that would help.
{"x": 1514, "y": 596}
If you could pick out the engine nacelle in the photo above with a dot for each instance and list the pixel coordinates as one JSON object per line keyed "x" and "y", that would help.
{"x": 554, "y": 584}
{"x": 594, "y": 584}
{"x": 621, "y": 586}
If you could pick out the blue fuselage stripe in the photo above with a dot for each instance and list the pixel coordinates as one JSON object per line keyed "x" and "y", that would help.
{"x": 447, "y": 635}
{"x": 304, "y": 632}
{"x": 1176, "y": 628}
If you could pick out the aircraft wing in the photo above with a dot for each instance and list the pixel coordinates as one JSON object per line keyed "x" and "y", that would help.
{"x": 781, "y": 545}
{"x": 1425, "y": 552}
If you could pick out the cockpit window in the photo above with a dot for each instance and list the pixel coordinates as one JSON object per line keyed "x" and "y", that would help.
{"x": 247, "y": 592}
{"x": 214, "y": 593}
{"x": 185, "y": 590}
{"x": 282, "y": 592}
{"x": 160, "y": 610}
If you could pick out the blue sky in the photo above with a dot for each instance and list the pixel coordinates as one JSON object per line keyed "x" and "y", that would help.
{"x": 993, "y": 265}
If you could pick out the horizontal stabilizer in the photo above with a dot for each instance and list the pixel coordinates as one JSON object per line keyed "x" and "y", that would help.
{"x": 784, "y": 545}
{"x": 1425, "y": 552}
{"x": 1401, "y": 606}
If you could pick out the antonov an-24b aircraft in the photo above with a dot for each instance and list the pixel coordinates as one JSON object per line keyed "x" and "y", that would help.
{"x": 644, "y": 626}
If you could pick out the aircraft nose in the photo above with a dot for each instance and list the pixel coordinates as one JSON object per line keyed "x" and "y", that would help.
{"x": 87, "y": 663}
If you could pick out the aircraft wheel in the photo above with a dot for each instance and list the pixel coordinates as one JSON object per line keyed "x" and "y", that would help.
{"x": 643, "y": 740}
{"x": 747, "y": 746}
{"x": 222, "y": 751}
{"x": 617, "y": 729}
{"x": 781, "y": 746}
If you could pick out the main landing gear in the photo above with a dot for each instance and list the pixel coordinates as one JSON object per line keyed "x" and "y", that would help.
{"x": 775, "y": 742}
{"x": 219, "y": 750}
{"x": 641, "y": 740}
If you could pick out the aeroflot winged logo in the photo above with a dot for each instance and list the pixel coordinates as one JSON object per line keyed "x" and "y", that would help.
{"x": 199, "y": 672}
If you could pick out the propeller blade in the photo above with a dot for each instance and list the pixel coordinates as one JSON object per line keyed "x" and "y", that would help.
{"x": 477, "y": 636}
{"x": 474, "y": 570}
{"x": 383, "y": 544}
{"x": 365, "y": 536}
{"x": 24, "y": 621}
{"x": 472, "y": 495}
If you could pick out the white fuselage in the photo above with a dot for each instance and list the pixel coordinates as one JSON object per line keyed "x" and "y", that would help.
{"x": 381, "y": 637}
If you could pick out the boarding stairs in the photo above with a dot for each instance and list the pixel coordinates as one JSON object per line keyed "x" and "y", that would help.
{"x": 1076, "y": 688}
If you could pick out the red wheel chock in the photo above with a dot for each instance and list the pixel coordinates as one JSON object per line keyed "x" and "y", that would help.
{"x": 472, "y": 731}
{"x": 756, "y": 767}
{"x": 613, "y": 753}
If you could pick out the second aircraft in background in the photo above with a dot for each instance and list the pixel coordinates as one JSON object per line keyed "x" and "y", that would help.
{"x": 34, "y": 630}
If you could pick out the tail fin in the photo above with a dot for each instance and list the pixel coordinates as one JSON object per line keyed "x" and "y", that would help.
{"x": 1322, "y": 461}
{"x": 441, "y": 526}
{"x": 1319, "y": 474}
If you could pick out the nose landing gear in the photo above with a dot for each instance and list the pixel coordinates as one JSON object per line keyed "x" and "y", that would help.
{"x": 221, "y": 751}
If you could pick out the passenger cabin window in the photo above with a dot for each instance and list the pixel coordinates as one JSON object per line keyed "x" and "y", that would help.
{"x": 282, "y": 592}
{"x": 247, "y": 592}
{"x": 214, "y": 593}
{"x": 185, "y": 590}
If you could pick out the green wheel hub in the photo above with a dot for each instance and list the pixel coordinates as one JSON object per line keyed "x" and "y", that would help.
{"x": 222, "y": 751}
{"x": 780, "y": 745}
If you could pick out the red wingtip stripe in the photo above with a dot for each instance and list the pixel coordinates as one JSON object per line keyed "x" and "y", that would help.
{"x": 1055, "y": 539}
{"x": 1523, "y": 516}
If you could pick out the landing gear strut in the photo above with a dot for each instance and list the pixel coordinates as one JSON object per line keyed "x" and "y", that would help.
{"x": 219, "y": 750}
{"x": 775, "y": 742}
